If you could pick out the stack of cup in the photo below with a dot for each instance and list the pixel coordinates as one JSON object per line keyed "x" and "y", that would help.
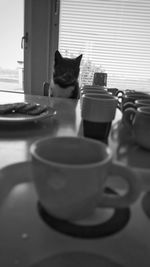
{"x": 88, "y": 89}
{"x": 93, "y": 88}
{"x": 115, "y": 92}
{"x": 137, "y": 103}
{"x": 129, "y": 98}
{"x": 97, "y": 112}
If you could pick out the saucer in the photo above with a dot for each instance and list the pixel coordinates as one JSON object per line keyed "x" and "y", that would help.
{"x": 102, "y": 223}
{"x": 76, "y": 259}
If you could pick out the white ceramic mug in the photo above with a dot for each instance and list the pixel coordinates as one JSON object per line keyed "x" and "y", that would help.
{"x": 129, "y": 98}
{"x": 92, "y": 91}
{"x": 137, "y": 103}
{"x": 138, "y": 122}
{"x": 98, "y": 112}
{"x": 98, "y": 107}
{"x": 115, "y": 91}
{"x": 70, "y": 174}
{"x": 142, "y": 103}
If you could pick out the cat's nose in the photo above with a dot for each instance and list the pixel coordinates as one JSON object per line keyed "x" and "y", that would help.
{"x": 67, "y": 75}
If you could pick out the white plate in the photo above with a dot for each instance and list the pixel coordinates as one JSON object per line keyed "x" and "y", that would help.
{"x": 17, "y": 118}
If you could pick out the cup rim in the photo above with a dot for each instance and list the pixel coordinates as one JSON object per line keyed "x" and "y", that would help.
{"x": 134, "y": 95}
{"x": 94, "y": 86}
{"x": 95, "y": 91}
{"x": 142, "y": 101}
{"x": 34, "y": 154}
{"x": 98, "y": 96}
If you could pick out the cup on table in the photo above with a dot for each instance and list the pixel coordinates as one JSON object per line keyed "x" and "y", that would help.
{"x": 130, "y": 97}
{"x": 137, "y": 103}
{"x": 98, "y": 112}
{"x": 134, "y": 92}
{"x": 70, "y": 175}
{"x": 115, "y": 91}
{"x": 138, "y": 122}
{"x": 92, "y": 91}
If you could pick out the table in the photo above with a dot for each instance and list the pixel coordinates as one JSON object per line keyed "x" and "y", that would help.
{"x": 26, "y": 239}
{"x": 15, "y": 141}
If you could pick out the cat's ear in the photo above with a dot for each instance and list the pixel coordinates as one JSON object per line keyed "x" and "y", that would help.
{"x": 58, "y": 56}
{"x": 78, "y": 59}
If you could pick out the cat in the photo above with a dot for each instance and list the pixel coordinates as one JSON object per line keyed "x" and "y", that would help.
{"x": 65, "y": 76}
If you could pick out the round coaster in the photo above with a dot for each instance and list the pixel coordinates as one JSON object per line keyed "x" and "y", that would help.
{"x": 146, "y": 204}
{"x": 76, "y": 259}
{"x": 113, "y": 223}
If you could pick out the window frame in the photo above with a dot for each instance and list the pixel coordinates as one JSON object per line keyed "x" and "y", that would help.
{"x": 41, "y": 22}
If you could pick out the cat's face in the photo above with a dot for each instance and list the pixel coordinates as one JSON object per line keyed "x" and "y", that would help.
{"x": 66, "y": 70}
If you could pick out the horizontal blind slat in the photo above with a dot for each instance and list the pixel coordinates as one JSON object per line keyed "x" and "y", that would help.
{"x": 114, "y": 35}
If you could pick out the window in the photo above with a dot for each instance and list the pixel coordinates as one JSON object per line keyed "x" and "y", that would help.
{"x": 37, "y": 21}
{"x": 114, "y": 37}
{"x": 11, "y": 54}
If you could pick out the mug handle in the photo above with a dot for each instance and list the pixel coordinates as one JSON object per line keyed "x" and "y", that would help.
{"x": 128, "y": 117}
{"x": 134, "y": 189}
{"x": 119, "y": 93}
{"x": 128, "y": 105}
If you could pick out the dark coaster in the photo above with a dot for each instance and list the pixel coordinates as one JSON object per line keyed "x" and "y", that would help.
{"x": 146, "y": 204}
{"x": 114, "y": 224}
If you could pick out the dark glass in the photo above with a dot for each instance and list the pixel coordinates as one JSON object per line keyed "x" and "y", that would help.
{"x": 97, "y": 130}
{"x": 100, "y": 79}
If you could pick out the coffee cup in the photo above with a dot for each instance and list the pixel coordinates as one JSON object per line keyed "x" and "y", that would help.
{"x": 70, "y": 175}
{"x": 131, "y": 97}
{"x": 115, "y": 91}
{"x": 133, "y": 93}
{"x": 98, "y": 112}
{"x": 138, "y": 122}
{"x": 142, "y": 103}
{"x": 137, "y": 103}
{"x": 92, "y": 91}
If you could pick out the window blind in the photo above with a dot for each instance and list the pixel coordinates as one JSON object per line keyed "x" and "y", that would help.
{"x": 112, "y": 35}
